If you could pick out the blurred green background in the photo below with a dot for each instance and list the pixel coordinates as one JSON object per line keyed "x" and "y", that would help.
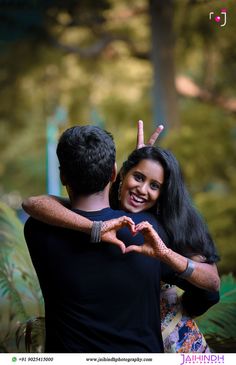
{"x": 110, "y": 63}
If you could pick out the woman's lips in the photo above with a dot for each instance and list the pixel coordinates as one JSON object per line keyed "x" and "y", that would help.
{"x": 135, "y": 200}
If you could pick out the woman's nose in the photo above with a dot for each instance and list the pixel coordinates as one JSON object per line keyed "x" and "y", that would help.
{"x": 142, "y": 188}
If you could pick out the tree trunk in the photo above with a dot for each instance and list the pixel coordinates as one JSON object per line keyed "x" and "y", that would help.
{"x": 165, "y": 106}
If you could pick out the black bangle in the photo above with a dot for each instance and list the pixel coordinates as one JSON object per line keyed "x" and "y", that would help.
{"x": 96, "y": 232}
{"x": 189, "y": 270}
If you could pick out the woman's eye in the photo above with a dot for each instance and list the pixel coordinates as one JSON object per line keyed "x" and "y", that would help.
{"x": 155, "y": 186}
{"x": 138, "y": 177}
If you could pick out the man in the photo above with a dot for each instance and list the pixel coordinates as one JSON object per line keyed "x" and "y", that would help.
{"x": 98, "y": 299}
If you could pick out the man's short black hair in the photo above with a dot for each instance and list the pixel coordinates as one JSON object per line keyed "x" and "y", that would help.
{"x": 86, "y": 155}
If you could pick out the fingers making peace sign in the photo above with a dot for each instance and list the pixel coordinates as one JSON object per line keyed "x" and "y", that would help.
{"x": 152, "y": 139}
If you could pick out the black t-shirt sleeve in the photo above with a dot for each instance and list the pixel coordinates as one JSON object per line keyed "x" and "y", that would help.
{"x": 31, "y": 233}
{"x": 195, "y": 301}
{"x": 34, "y": 232}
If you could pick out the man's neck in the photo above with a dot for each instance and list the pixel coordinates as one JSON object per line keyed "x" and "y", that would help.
{"x": 94, "y": 202}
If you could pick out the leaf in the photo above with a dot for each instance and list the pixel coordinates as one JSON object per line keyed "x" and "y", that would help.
{"x": 219, "y": 323}
{"x": 19, "y": 288}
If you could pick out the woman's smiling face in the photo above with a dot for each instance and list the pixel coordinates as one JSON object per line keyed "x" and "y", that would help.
{"x": 141, "y": 186}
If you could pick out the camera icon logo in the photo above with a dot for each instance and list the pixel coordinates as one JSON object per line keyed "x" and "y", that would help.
{"x": 220, "y": 19}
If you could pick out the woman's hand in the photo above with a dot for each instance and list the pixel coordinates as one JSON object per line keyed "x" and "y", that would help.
{"x": 153, "y": 245}
{"x": 152, "y": 139}
{"x": 110, "y": 227}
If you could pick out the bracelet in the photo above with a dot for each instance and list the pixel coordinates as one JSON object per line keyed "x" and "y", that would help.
{"x": 188, "y": 271}
{"x": 96, "y": 232}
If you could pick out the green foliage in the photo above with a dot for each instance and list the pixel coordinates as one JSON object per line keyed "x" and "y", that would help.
{"x": 205, "y": 147}
{"x": 20, "y": 295}
{"x": 219, "y": 323}
{"x": 206, "y": 51}
{"x": 117, "y": 82}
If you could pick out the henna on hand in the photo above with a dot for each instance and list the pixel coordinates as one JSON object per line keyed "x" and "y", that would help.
{"x": 110, "y": 228}
{"x": 153, "y": 245}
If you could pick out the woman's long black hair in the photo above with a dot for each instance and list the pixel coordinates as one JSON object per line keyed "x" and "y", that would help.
{"x": 186, "y": 229}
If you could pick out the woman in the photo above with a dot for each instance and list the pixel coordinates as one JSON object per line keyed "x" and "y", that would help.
{"x": 151, "y": 180}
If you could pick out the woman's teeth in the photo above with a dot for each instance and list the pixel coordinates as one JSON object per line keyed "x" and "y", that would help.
{"x": 137, "y": 199}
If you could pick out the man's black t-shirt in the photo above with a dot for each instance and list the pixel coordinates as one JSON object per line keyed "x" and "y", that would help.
{"x": 96, "y": 298}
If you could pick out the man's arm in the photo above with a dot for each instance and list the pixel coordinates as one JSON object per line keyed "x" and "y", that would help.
{"x": 195, "y": 301}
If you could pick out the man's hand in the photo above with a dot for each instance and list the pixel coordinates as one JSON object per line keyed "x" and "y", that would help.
{"x": 110, "y": 227}
{"x": 152, "y": 139}
{"x": 153, "y": 245}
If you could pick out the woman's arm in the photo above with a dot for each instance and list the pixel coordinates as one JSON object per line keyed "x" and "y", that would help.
{"x": 204, "y": 276}
{"x": 211, "y": 275}
{"x": 53, "y": 210}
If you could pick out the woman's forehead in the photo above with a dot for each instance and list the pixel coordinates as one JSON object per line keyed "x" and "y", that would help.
{"x": 150, "y": 168}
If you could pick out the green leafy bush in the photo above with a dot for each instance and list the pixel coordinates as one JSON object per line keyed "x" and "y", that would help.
{"x": 20, "y": 294}
{"x": 219, "y": 323}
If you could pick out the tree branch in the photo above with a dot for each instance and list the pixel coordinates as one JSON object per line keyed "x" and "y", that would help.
{"x": 187, "y": 87}
{"x": 85, "y": 52}
{"x": 184, "y": 85}
{"x": 99, "y": 46}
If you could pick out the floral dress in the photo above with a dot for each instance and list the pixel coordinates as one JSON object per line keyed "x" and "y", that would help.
{"x": 180, "y": 332}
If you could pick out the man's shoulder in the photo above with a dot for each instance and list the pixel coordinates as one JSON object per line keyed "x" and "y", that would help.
{"x": 33, "y": 222}
{"x": 33, "y": 226}
{"x": 137, "y": 217}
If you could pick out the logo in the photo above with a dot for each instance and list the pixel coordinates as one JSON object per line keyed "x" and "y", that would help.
{"x": 202, "y": 359}
{"x": 219, "y": 19}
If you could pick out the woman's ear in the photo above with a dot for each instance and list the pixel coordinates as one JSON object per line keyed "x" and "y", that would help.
{"x": 114, "y": 173}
